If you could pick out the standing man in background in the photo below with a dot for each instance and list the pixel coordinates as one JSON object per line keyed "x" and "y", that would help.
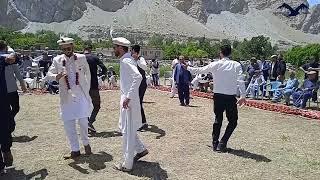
{"x": 182, "y": 78}
{"x": 155, "y": 70}
{"x": 278, "y": 68}
{"x": 173, "y": 86}
{"x": 142, "y": 67}
{"x": 94, "y": 62}
{"x": 265, "y": 68}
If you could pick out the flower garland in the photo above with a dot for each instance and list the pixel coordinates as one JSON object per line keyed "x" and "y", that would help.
{"x": 66, "y": 77}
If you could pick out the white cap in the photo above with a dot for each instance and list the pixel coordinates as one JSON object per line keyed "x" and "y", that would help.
{"x": 10, "y": 50}
{"x": 121, "y": 41}
{"x": 65, "y": 40}
{"x": 274, "y": 56}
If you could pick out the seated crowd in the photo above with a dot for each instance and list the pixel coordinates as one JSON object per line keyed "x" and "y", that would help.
{"x": 268, "y": 78}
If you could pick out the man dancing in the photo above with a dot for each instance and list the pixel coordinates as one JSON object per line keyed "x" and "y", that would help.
{"x": 142, "y": 67}
{"x": 227, "y": 78}
{"x": 6, "y": 120}
{"x": 12, "y": 74}
{"x": 72, "y": 72}
{"x": 94, "y": 62}
{"x": 130, "y": 112}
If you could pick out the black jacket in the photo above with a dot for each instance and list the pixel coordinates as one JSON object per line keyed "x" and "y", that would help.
{"x": 278, "y": 69}
{"x": 94, "y": 62}
{"x": 6, "y": 120}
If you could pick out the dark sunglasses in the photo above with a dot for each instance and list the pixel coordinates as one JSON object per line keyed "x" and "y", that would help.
{"x": 67, "y": 49}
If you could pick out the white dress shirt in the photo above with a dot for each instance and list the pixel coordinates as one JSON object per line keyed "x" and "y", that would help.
{"x": 141, "y": 62}
{"x": 227, "y": 76}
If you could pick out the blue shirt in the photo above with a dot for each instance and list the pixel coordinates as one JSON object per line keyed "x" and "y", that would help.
{"x": 292, "y": 83}
{"x": 181, "y": 75}
{"x": 309, "y": 85}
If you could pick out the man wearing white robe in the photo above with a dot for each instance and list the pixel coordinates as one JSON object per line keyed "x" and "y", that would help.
{"x": 130, "y": 112}
{"x": 173, "y": 85}
{"x": 72, "y": 72}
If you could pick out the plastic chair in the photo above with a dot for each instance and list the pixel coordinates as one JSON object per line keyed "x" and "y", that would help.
{"x": 274, "y": 85}
{"x": 317, "y": 101}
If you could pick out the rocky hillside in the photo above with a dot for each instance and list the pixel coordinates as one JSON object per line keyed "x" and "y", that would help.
{"x": 201, "y": 10}
{"x": 232, "y": 19}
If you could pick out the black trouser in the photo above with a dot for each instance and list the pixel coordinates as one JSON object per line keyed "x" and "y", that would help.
{"x": 13, "y": 98}
{"x": 223, "y": 103}
{"x": 7, "y": 127}
{"x": 142, "y": 91}
{"x": 5, "y": 147}
{"x": 95, "y": 96}
{"x": 184, "y": 94}
{"x": 155, "y": 79}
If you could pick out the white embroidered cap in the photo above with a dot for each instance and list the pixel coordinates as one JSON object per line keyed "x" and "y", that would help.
{"x": 10, "y": 50}
{"x": 65, "y": 40}
{"x": 121, "y": 41}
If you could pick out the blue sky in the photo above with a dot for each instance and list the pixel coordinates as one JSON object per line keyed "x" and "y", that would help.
{"x": 313, "y": 2}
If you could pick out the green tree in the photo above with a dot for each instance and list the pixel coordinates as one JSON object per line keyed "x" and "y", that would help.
{"x": 299, "y": 54}
{"x": 201, "y": 53}
{"x": 156, "y": 41}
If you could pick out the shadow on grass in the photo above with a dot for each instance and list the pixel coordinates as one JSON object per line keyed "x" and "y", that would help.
{"x": 192, "y": 106}
{"x": 23, "y": 139}
{"x": 106, "y": 134}
{"x": 95, "y": 161}
{"x": 248, "y": 155}
{"x": 151, "y": 170}
{"x": 146, "y": 102}
{"x": 13, "y": 174}
{"x": 157, "y": 130}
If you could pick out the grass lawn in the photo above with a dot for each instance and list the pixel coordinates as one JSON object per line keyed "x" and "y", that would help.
{"x": 266, "y": 145}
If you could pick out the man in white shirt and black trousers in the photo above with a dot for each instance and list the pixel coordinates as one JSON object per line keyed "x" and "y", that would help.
{"x": 227, "y": 78}
{"x": 142, "y": 67}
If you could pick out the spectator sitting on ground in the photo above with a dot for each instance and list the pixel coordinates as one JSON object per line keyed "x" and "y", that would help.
{"x": 287, "y": 89}
{"x": 304, "y": 93}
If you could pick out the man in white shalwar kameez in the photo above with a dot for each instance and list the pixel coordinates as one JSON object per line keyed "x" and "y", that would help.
{"x": 72, "y": 72}
{"x": 173, "y": 85}
{"x": 130, "y": 112}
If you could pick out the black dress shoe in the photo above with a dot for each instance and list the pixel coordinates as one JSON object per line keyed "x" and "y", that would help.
{"x": 143, "y": 127}
{"x": 7, "y": 158}
{"x": 73, "y": 155}
{"x": 140, "y": 155}
{"x": 91, "y": 128}
{"x": 222, "y": 147}
{"x": 215, "y": 145}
